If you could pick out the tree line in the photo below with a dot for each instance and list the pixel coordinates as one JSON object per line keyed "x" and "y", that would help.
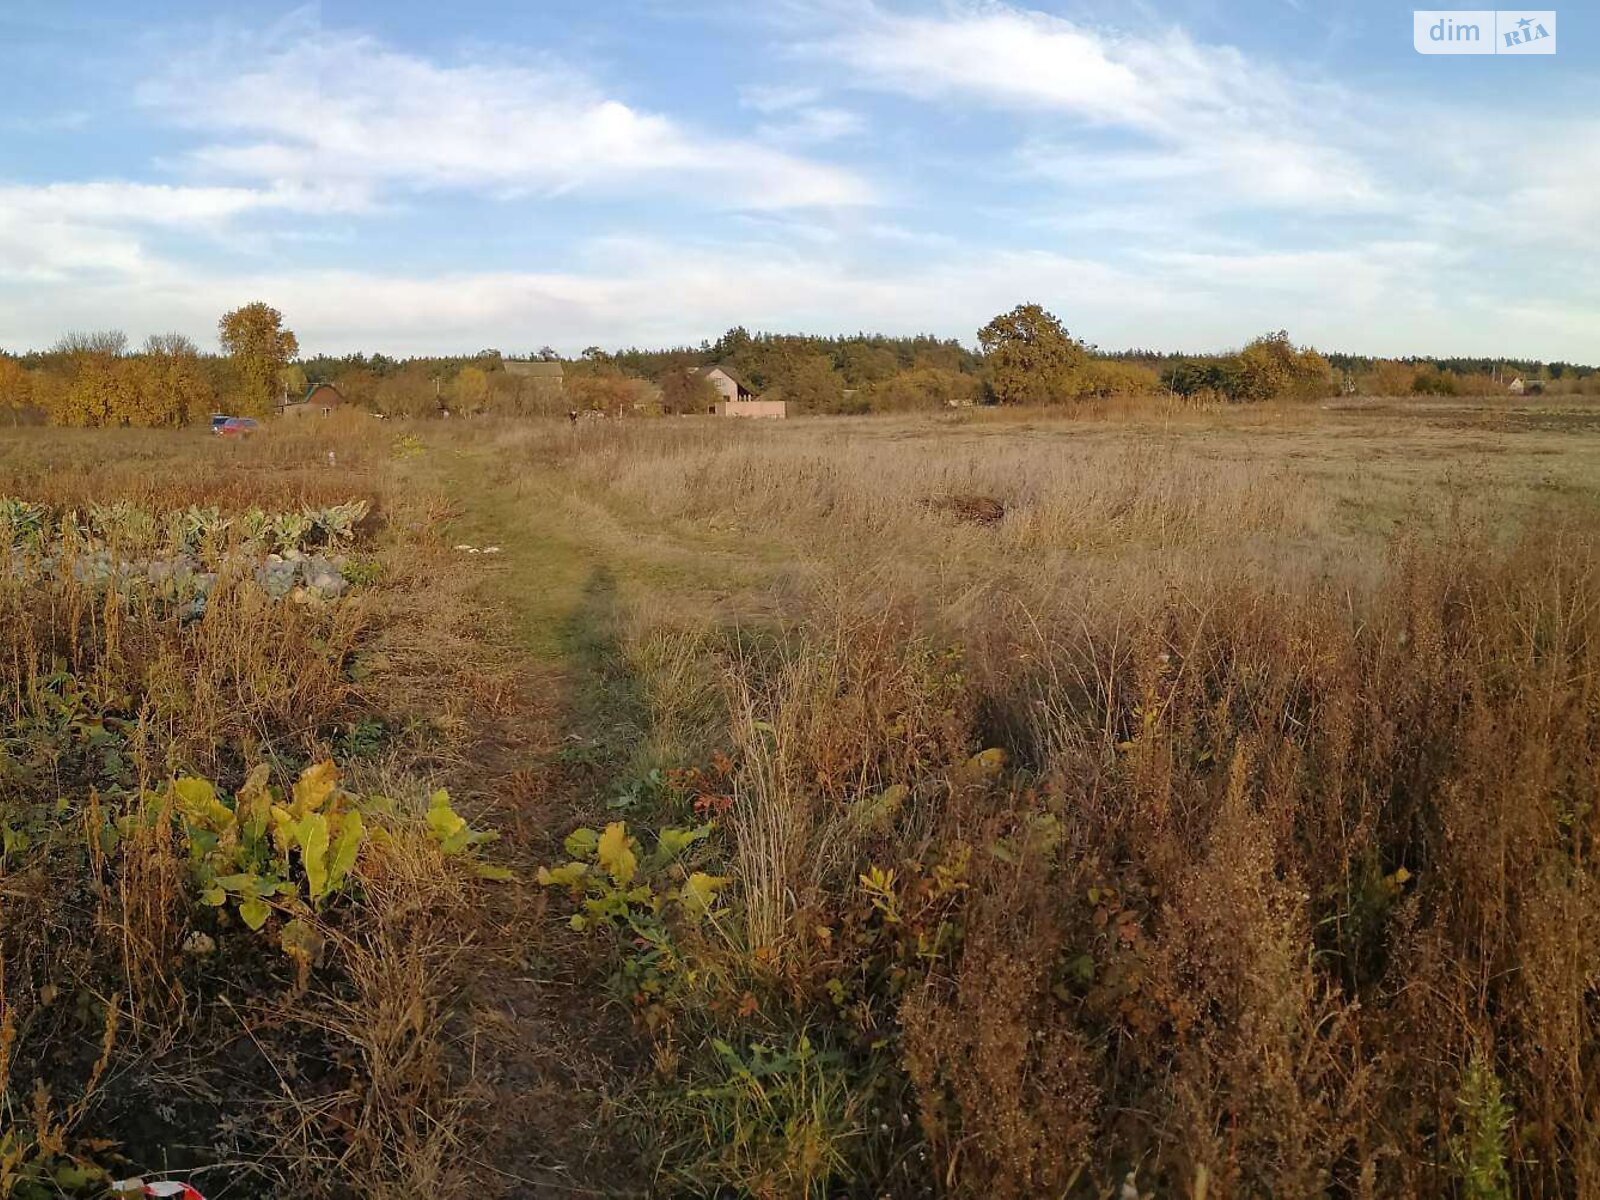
{"x": 1023, "y": 357}
{"x": 92, "y": 378}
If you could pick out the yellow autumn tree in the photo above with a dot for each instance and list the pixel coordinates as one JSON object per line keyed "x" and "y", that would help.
{"x": 1273, "y": 367}
{"x": 16, "y": 388}
{"x": 92, "y": 379}
{"x": 471, "y": 390}
{"x": 169, "y": 382}
{"x": 102, "y": 391}
{"x": 253, "y": 336}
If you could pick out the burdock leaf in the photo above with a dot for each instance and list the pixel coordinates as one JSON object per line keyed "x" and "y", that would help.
{"x": 315, "y": 785}
{"x": 345, "y": 849}
{"x": 616, "y": 853}
{"x": 314, "y": 853}
{"x": 254, "y": 912}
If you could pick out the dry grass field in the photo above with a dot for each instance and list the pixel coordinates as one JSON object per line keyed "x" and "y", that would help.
{"x": 1146, "y": 802}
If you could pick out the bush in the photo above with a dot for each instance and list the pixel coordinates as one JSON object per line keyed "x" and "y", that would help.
{"x": 1269, "y": 368}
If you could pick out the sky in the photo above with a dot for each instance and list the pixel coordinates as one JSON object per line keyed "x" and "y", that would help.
{"x": 414, "y": 177}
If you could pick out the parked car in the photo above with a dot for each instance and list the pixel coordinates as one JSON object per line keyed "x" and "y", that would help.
{"x": 239, "y": 427}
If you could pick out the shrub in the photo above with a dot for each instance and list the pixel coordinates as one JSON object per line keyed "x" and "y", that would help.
{"x": 1269, "y": 368}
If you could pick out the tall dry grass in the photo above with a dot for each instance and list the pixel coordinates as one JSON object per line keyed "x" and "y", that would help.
{"x": 1286, "y": 886}
{"x": 1060, "y": 493}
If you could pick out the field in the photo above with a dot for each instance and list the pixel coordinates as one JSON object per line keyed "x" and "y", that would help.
{"x": 1152, "y": 801}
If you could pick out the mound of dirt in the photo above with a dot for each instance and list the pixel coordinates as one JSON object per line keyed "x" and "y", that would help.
{"x": 979, "y": 510}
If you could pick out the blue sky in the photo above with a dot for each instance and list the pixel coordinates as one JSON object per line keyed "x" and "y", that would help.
{"x": 415, "y": 177}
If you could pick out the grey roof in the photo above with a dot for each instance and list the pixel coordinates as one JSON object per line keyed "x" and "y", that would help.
{"x": 726, "y": 370}
{"x": 534, "y": 368}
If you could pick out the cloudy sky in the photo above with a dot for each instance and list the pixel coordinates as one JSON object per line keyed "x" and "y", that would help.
{"x": 412, "y": 177}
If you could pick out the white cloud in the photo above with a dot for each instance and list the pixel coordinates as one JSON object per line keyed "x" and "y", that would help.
{"x": 798, "y": 116}
{"x": 327, "y": 106}
{"x": 1199, "y": 113}
{"x": 813, "y": 125}
{"x": 58, "y": 230}
{"x": 44, "y": 249}
{"x": 626, "y": 290}
{"x": 123, "y": 202}
{"x": 649, "y": 292}
{"x": 1265, "y": 170}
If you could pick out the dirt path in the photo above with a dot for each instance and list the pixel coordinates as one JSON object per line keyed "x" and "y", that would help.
{"x": 544, "y": 1045}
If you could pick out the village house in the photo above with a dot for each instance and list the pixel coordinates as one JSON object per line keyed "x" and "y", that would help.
{"x": 544, "y": 376}
{"x": 320, "y": 398}
{"x": 738, "y": 398}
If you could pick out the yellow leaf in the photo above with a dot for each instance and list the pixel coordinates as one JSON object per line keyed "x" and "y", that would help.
{"x": 450, "y": 828}
{"x": 193, "y": 794}
{"x": 700, "y": 891}
{"x": 198, "y": 802}
{"x": 315, "y": 785}
{"x": 442, "y": 819}
{"x": 314, "y": 853}
{"x": 987, "y": 762}
{"x": 672, "y": 842}
{"x": 345, "y": 849}
{"x": 570, "y": 875}
{"x": 615, "y": 853}
{"x": 252, "y": 804}
{"x": 283, "y": 825}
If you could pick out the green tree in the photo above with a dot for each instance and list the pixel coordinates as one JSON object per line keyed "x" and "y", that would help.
{"x": 293, "y": 380}
{"x": 683, "y": 391}
{"x": 810, "y": 384}
{"x": 254, "y": 338}
{"x": 924, "y": 388}
{"x": 863, "y": 365}
{"x": 1032, "y": 358}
